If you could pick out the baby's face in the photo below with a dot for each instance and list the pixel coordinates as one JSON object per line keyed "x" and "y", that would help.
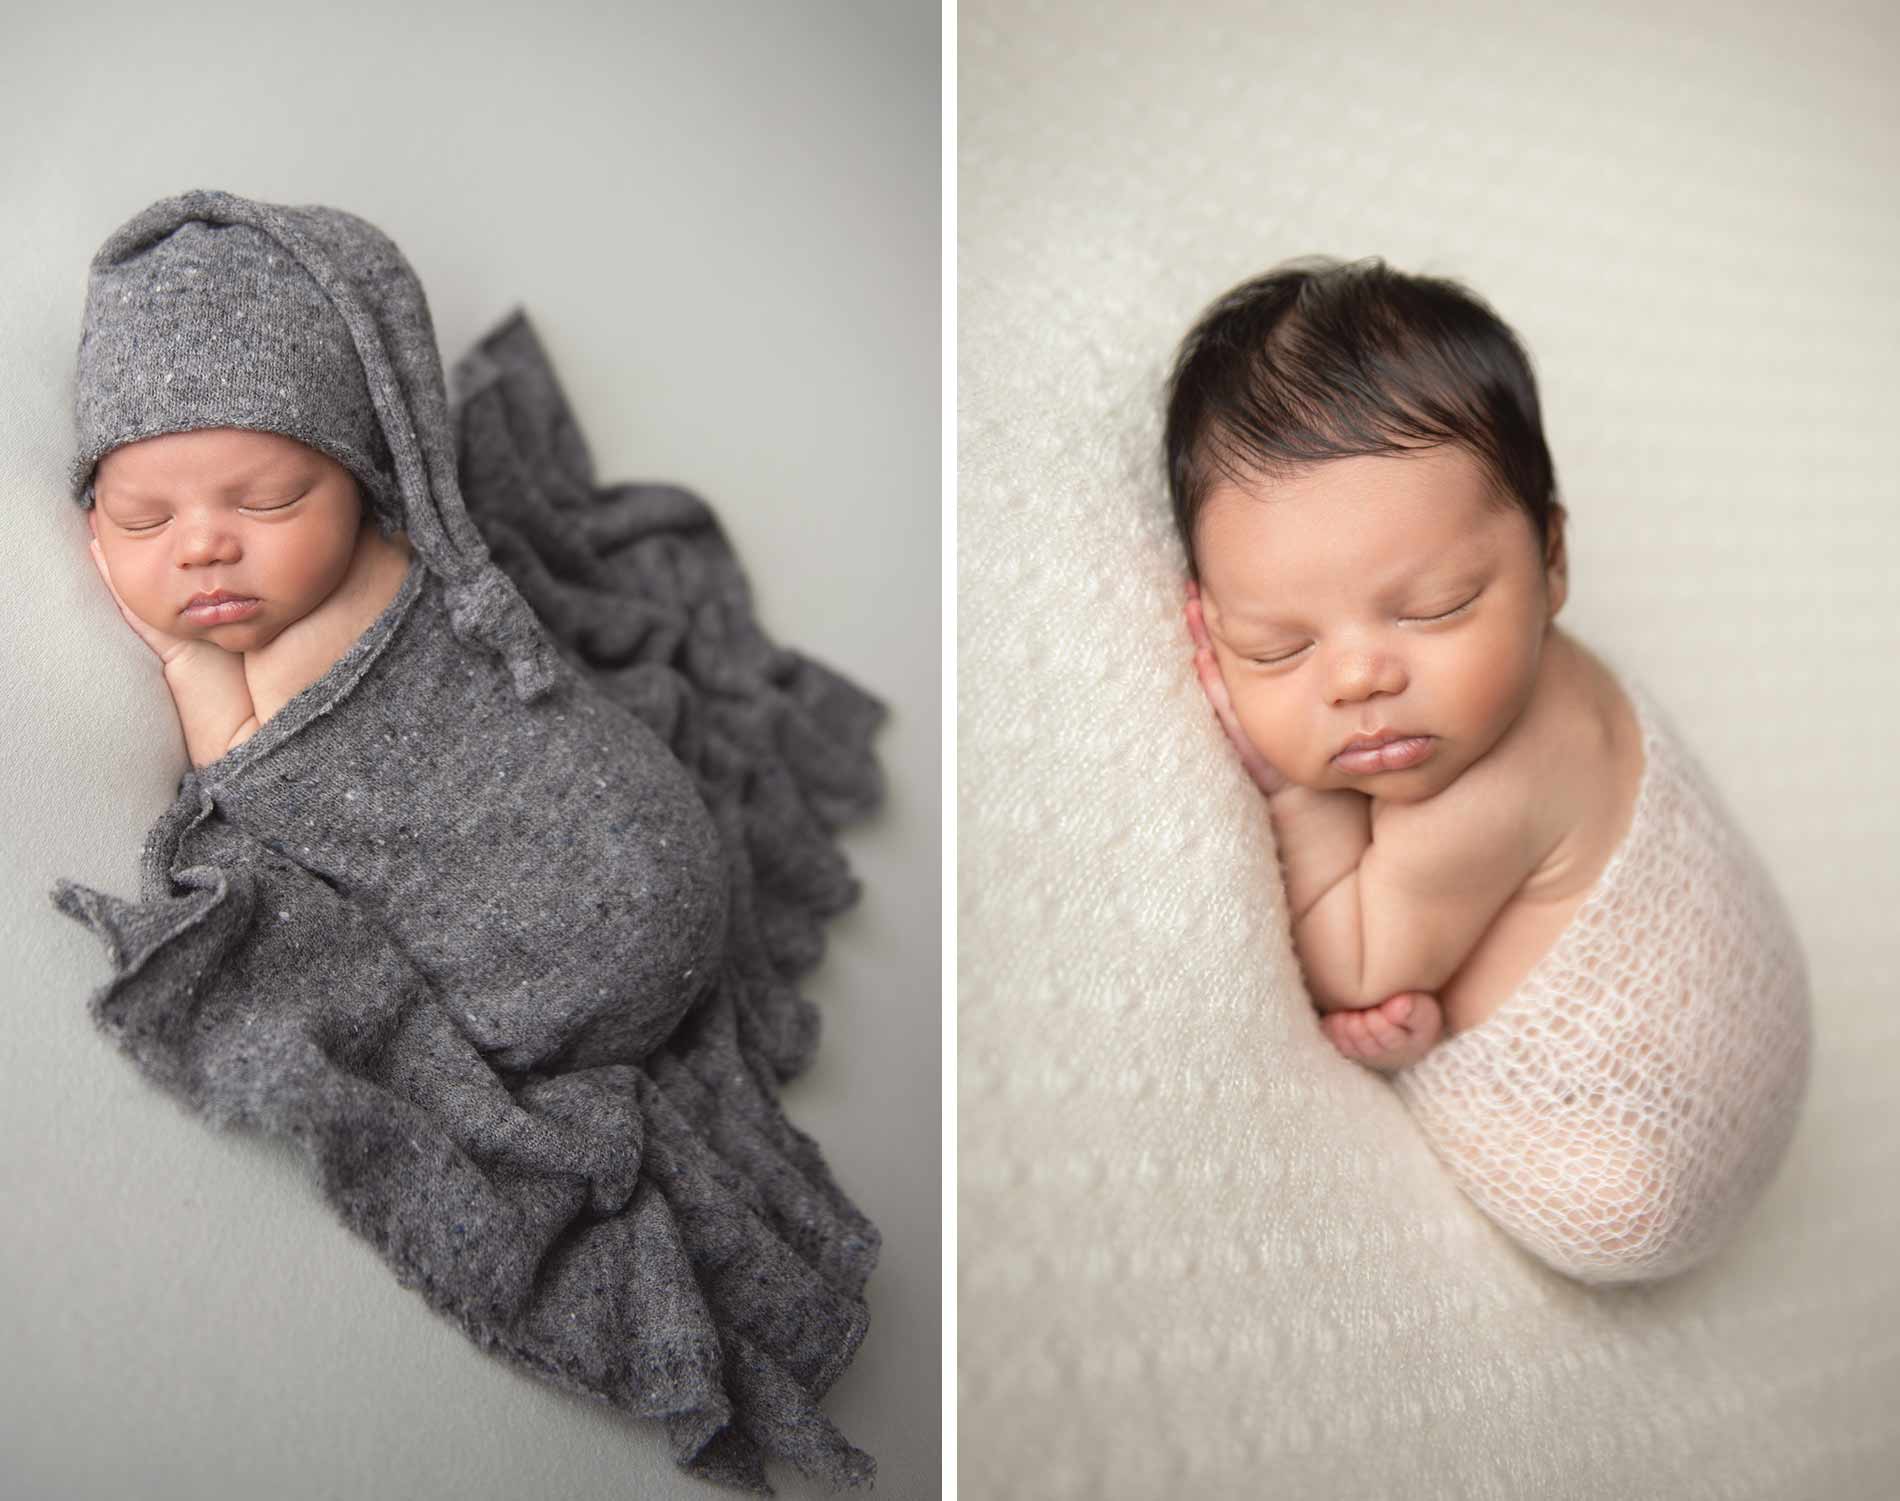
{"x": 251, "y": 513}
{"x": 1318, "y": 594}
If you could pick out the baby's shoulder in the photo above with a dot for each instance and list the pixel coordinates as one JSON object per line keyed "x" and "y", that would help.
{"x": 304, "y": 651}
{"x": 1577, "y": 772}
{"x": 1558, "y": 785}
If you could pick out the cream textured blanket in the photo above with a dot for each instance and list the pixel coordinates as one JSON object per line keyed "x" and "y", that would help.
{"x": 1199, "y": 1253}
{"x": 1631, "y": 1100}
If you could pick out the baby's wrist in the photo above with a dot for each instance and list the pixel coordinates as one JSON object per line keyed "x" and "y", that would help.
{"x": 1295, "y": 801}
{"x": 213, "y": 699}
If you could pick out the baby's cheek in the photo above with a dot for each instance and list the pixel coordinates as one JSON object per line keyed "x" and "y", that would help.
{"x": 146, "y": 599}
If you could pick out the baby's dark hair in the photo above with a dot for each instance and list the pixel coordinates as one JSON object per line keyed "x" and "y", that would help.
{"x": 1322, "y": 359}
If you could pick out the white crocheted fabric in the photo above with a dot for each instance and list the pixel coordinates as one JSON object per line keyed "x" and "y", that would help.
{"x": 1626, "y": 1106}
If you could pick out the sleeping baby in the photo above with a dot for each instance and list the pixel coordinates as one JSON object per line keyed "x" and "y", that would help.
{"x": 506, "y": 838}
{"x": 1510, "y": 885}
{"x": 283, "y": 565}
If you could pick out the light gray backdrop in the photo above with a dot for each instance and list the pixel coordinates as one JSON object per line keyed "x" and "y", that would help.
{"x": 724, "y": 221}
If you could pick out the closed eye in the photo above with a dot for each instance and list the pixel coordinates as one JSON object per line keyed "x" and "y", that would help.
{"x": 1415, "y": 619}
{"x": 1456, "y": 610}
{"x": 261, "y": 510}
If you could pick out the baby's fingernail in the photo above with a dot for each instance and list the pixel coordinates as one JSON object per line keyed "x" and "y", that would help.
{"x": 1402, "y": 1008}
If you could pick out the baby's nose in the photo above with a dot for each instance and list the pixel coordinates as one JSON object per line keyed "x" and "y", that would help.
{"x": 207, "y": 542}
{"x": 1358, "y": 675}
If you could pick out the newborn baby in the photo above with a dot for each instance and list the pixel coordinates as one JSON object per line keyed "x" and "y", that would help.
{"x": 1500, "y": 759}
{"x": 1509, "y": 886}
{"x": 506, "y": 838}
{"x": 247, "y": 561}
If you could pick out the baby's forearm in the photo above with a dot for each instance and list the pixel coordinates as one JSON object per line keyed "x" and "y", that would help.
{"x": 1322, "y": 837}
{"x": 213, "y": 701}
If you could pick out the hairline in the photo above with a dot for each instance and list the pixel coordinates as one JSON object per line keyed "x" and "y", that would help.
{"x": 1498, "y": 496}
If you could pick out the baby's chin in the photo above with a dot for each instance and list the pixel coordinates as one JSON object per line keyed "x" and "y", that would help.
{"x": 239, "y": 636}
{"x": 1413, "y": 786}
{"x": 244, "y": 637}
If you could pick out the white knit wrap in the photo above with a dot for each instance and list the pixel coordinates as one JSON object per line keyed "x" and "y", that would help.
{"x": 1631, "y": 1100}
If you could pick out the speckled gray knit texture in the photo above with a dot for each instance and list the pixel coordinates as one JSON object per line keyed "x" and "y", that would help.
{"x": 207, "y": 323}
{"x": 500, "y": 920}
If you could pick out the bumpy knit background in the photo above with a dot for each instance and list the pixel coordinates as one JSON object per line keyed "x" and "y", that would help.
{"x": 1199, "y": 1253}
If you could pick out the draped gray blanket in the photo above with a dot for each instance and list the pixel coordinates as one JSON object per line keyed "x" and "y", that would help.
{"x": 512, "y": 956}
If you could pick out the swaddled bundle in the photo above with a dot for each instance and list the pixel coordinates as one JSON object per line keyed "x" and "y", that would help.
{"x": 500, "y": 918}
{"x": 1632, "y": 1099}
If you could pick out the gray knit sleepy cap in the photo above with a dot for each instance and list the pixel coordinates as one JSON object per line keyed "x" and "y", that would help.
{"x": 211, "y": 310}
{"x": 199, "y": 324}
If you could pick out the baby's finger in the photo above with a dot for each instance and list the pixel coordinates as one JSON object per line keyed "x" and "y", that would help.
{"x": 1215, "y": 687}
{"x": 1382, "y": 1031}
{"x": 1196, "y": 622}
{"x": 99, "y": 560}
{"x": 1334, "y": 1026}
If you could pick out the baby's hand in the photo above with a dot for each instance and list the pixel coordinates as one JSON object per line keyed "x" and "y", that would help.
{"x": 168, "y": 647}
{"x": 1390, "y": 1036}
{"x": 1266, "y": 777}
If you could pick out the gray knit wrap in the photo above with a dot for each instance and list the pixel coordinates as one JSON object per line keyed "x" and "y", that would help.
{"x": 210, "y": 310}
{"x": 518, "y": 975}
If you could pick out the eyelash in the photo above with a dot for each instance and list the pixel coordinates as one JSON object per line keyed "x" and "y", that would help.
{"x": 260, "y": 509}
{"x": 1422, "y": 619}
